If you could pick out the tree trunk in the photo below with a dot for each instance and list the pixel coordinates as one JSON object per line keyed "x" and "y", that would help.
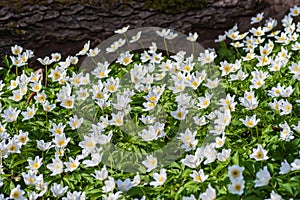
{"x": 53, "y": 27}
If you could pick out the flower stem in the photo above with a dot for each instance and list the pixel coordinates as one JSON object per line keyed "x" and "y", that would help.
{"x": 193, "y": 48}
{"x": 141, "y": 45}
{"x": 127, "y": 40}
{"x": 46, "y": 76}
{"x": 165, "y": 42}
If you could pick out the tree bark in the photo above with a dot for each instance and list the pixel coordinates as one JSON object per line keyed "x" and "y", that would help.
{"x": 60, "y": 28}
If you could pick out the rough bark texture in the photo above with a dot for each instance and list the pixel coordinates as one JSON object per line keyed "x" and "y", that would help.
{"x": 64, "y": 28}
{"x": 55, "y": 27}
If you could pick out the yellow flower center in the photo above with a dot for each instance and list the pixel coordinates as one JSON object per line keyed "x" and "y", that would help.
{"x": 73, "y": 165}
{"x": 250, "y": 123}
{"x": 35, "y": 165}
{"x": 198, "y": 178}
{"x": 160, "y": 179}
{"x": 126, "y": 60}
{"x": 12, "y": 148}
{"x": 22, "y": 139}
{"x": 56, "y": 75}
{"x": 179, "y": 114}
{"x": 30, "y": 180}
{"x": 259, "y": 155}
{"x": 16, "y": 194}
{"x": 153, "y": 98}
{"x": 111, "y": 88}
{"x": 61, "y": 143}
{"x": 69, "y": 103}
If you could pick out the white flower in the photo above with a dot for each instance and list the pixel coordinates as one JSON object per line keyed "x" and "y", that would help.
{"x": 75, "y": 195}
{"x": 163, "y": 33}
{"x": 43, "y": 146}
{"x": 93, "y": 52}
{"x": 10, "y": 114}
{"x": 16, "y": 49}
{"x": 257, "y": 32}
{"x": 160, "y": 178}
{"x": 235, "y": 172}
{"x": 191, "y": 161}
{"x": 102, "y": 138}
{"x": 295, "y": 127}
{"x": 285, "y": 167}
{"x": 209, "y": 194}
{"x": 259, "y": 154}
{"x": 117, "y": 119}
{"x": 45, "y": 61}
{"x": 263, "y": 177}
{"x": 29, "y": 113}
{"x": 29, "y": 178}
{"x": 96, "y": 159}
{"x": 58, "y": 190}
{"x": 18, "y": 62}
{"x": 102, "y": 174}
{"x": 200, "y": 121}
{"x": 85, "y": 49}
{"x": 211, "y": 84}
{"x": 221, "y": 38}
{"x": 250, "y": 121}
{"x": 32, "y": 195}
{"x": 55, "y": 57}
{"x": 295, "y": 11}
{"x": 57, "y": 129}
{"x": 237, "y": 186}
{"x": 17, "y": 193}
{"x": 210, "y": 154}
{"x": 122, "y": 30}
{"x": 257, "y": 19}
{"x": 61, "y": 140}
{"x": 249, "y": 101}
{"x": 35, "y": 164}
{"x": 286, "y": 133}
{"x": 147, "y": 119}
{"x": 188, "y": 139}
{"x": 207, "y": 57}
{"x": 112, "y": 196}
{"x": 295, "y": 165}
{"x": 150, "y": 163}
{"x": 285, "y": 107}
{"x": 22, "y": 138}
{"x": 71, "y": 165}
{"x": 219, "y": 142}
{"x": 180, "y": 113}
{"x": 136, "y": 180}
{"x": 109, "y": 185}
{"x": 56, "y": 167}
{"x": 199, "y": 176}
{"x": 135, "y": 37}
{"x": 274, "y": 196}
{"x": 192, "y": 197}
{"x": 75, "y": 122}
{"x": 225, "y": 67}
{"x": 124, "y": 186}
{"x": 192, "y": 37}
{"x": 171, "y": 36}
{"x": 224, "y": 155}
{"x": 13, "y": 146}
{"x": 17, "y": 95}
{"x": 68, "y": 102}
{"x": 204, "y": 102}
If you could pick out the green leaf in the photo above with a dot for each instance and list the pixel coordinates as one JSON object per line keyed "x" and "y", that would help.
{"x": 19, "y": 162}
{"x": 235, "y": 158}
